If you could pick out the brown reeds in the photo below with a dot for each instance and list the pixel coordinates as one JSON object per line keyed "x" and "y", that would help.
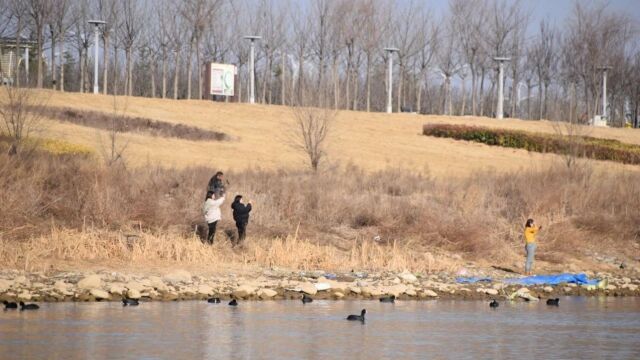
{"x": 55, "y": 206}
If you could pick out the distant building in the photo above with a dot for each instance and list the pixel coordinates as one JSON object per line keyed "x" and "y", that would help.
{"x": 10, "y": 55}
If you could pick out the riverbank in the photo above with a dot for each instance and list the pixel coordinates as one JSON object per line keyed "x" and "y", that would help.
{"x": 278, "y": 284}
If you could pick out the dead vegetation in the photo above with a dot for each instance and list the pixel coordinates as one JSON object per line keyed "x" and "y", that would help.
{"x": 334, "y": 211}
{"x": 124, "y": 124}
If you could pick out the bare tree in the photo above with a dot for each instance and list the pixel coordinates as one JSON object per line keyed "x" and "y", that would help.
{"x": 132, "y": 20}
{"x": 108, "y": 10}
{"x": 311, "y": 128}
{"x": 82, "y": 40}
{"x": 40, "y": 10}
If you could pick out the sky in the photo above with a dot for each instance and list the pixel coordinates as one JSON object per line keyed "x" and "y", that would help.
{"x": 557, "y": 10}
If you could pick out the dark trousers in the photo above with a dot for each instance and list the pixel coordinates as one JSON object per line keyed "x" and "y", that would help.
{"x": 212, "y": 232}
{"x": 242, "y": 231}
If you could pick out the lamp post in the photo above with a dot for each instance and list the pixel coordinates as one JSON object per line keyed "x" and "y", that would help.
{"x": 604, "y": 70}
{"x": 252, "y": 96}
{"x": 501, "y": 61}
{"x": 390, "y": 51}
{"x": 97, "y": 24}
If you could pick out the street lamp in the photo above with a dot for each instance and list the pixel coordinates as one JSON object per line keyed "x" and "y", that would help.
{"x": 252, "y": 96}
{"x": 604, "y": 70}
{"x": 97, "y": 24}
{"x": 501, "y": 61}
{"x": 390, "y": 51}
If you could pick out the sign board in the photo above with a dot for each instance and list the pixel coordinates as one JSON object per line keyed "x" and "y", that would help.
{"x": 221, "y": 79}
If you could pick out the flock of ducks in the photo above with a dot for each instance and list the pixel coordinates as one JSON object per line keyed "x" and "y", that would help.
{"x": 305, "y": 300}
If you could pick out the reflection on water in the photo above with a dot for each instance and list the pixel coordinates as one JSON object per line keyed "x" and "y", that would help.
{"x": 585, "y": 328}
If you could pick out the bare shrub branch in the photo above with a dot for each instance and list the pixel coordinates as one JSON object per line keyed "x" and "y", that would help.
{"x": 310, "y": 131}
{"x": 16, "y": 121}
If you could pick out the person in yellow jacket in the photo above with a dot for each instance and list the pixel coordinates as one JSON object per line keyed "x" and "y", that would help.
{"x": 530, "y": 231}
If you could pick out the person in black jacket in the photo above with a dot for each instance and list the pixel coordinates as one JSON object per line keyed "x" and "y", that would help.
{"x": 241, "y": 216}
{"x": 217, "y": 183}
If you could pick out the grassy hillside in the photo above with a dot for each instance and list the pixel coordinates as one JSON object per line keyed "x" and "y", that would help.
{"x": 372, "y": 141}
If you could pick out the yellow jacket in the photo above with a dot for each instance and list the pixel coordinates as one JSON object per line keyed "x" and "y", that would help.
{"x": 530, "y": 234}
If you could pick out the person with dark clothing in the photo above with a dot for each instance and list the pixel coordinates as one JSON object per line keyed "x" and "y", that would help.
{"x": 216, "y": 183}
{"x": 241, "y": 216}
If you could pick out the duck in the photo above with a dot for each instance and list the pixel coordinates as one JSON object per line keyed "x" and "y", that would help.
{"x": 10, "y": 305}
{"x": 233, "y": 303}
{"x": 553, "y": 302}
{"x": 494, "y": 304}
{"x": 130, "y": 302}
{"x": 388, "y": 299}
{"x": 306, "y": 299}
{"x": 24, "y": 306}
{"x": 214, "y": 301}
{"x": 357, "y": 317}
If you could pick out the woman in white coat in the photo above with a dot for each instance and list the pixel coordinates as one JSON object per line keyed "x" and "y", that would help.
{"x": 212, "y": 214}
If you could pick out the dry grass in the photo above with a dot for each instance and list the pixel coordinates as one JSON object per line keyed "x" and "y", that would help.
{"x": 39, "y": 254}
{"x": 338, "y": 213}
{"x": 372, "y": 141}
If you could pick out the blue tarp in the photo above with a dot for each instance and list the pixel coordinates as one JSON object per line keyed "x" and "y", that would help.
{"x": 554, "y": 279}
{"x": 471, "y": 280}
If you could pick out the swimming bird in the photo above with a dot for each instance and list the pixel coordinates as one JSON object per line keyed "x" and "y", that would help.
{"x": 10, "y": 305}
{"x": 553, "y": 302}
{"x": 388, "y": 299}
{"x": 494, "y": 304}
{"x": 306, "y": 299}
{"x": 130, "y": 302}
{"x": 24, "y": 306}
{"x": 214, "y": 301}
{"x": 233, "y": 303}
{"x": 357, "y": 317}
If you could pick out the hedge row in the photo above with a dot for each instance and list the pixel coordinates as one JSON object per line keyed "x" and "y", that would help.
{"x": 580, "y": 146}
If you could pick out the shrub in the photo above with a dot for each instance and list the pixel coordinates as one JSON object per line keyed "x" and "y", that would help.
{"x": 580, "y": 146}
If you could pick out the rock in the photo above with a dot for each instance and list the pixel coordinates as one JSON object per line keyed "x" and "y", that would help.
{"x": 339, "y": 286}
{"x": 355, "y": 290}
{"x": 178, "y": 276}
{"x": 90, "y": 282}
{"x": 308, "y": 288}
{"x": 133, "y": 294}
{"x": 5, "y": 285}
{"x": 117, "y": 288}
{"x": 157, "y": 283}
{"x": 548, "y": 289}
{"x": 63, "y": 288}
{"x": 134, "y": 285}
{"x": 407, "y": 277}
{"x": 25, "y": 295}
{"x": 100, "y": 294}
{"x": 491, "y": 292}
{"x": 338, "y": 295}
{"x": 396, "y": 290}
{"x": 244, "y": 290}
{"x": 631, "y": 287}
{"x": 626, "y": 280}
{"x": 567, "y": 289}
{"x": 428, "y": 293}
{"x": 411, "y": 292}
{"x": 266, "y": 293}
{"x": 322, "y": 286}
{"x": 611, "y": 287}
{"x": 21, "y": 280}
{"x": 205, "y": 290}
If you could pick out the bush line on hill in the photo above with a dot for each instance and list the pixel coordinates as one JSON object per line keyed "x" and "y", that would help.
{"x": 580, "y": 146}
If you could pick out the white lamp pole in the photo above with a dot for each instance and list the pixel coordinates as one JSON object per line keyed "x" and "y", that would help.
{"x": 252, "y": 96}
{"x": 390, "y": 51}
{"x": 501, "y": 61}
{"x": 97, "y": 24}
{"x": 604, "y": 69}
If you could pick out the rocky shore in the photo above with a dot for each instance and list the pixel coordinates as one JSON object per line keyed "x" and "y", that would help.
{"x": 277, "y": 285}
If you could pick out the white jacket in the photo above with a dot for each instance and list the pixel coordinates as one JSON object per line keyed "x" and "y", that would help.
{"x": 211, "y": 209}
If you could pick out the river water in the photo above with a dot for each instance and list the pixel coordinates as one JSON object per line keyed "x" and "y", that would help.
{"x": 580, "y": 328}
